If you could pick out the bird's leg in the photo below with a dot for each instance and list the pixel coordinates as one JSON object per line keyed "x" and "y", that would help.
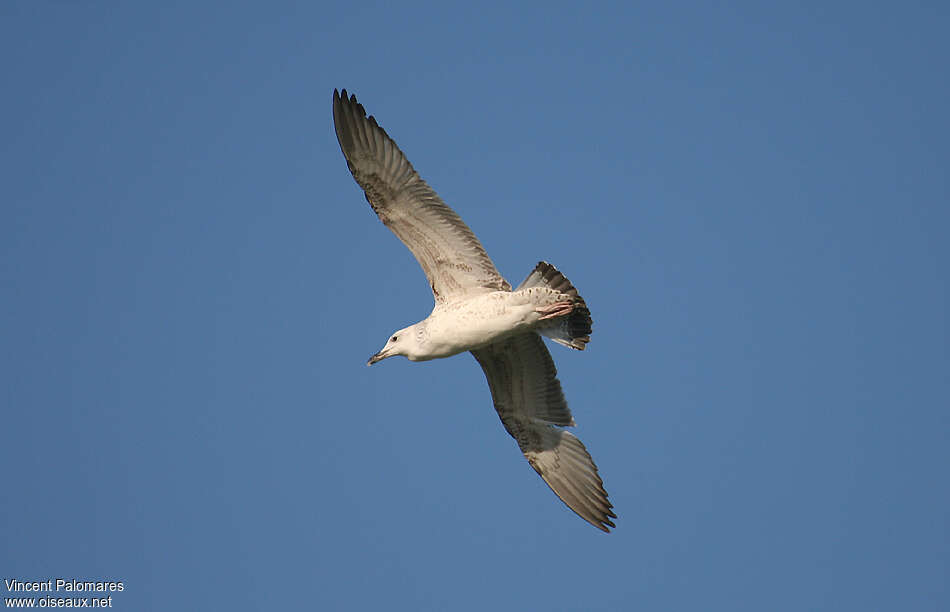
{"x": 557, "y": 309}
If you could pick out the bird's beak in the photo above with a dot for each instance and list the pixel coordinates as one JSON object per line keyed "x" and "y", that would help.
{"x": 377, "y": 357}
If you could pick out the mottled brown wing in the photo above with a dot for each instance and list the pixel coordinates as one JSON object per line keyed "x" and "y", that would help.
{"x": 529, "y": 400}
{"x": 450, "y": 255}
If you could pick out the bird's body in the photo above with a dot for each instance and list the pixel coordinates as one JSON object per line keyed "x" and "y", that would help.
{"x": 472, "y": 323}
{"x": 476, "y": 310}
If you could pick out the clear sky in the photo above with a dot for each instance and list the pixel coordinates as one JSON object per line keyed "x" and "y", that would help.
{"x": 752, "y": 200}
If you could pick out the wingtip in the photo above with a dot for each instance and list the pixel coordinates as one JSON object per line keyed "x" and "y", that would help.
{"x": 603, "y": 522}
{"x": 344, "y": 96}
{"x": 340, "y": 97}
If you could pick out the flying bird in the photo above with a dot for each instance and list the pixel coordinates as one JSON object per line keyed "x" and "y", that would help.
{"x": 476, "y": 310}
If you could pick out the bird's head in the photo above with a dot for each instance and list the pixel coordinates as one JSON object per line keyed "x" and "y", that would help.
{"x": 402, "y": 342}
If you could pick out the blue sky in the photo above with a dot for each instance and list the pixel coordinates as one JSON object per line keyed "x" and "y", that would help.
{"x": 753, "y": 201}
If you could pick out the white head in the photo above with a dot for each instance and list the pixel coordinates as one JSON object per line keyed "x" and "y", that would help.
{"x": 403, "y": 342}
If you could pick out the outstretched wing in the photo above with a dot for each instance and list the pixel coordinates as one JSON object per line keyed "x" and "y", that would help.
{"x": 529, "y": 400}
{"x": 450, "y": 255}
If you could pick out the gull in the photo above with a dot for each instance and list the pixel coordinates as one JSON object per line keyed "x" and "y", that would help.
{"x": 476, "y": 310}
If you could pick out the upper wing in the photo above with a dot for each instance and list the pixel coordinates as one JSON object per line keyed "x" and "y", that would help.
{"x": 529, "y": 400}
{"x": 450, "y": 255}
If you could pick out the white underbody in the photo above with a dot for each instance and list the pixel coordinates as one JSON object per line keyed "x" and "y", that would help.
{"x": 481, "y": 320}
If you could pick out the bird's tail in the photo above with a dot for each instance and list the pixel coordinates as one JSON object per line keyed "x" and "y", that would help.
{"x": 572, "y": 330}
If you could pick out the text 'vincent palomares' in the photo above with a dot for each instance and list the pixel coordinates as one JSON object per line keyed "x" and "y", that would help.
{"x": 62, "y": 584}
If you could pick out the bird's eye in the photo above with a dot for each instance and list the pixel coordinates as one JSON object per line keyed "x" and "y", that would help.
{"x": 393, "y": 339}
